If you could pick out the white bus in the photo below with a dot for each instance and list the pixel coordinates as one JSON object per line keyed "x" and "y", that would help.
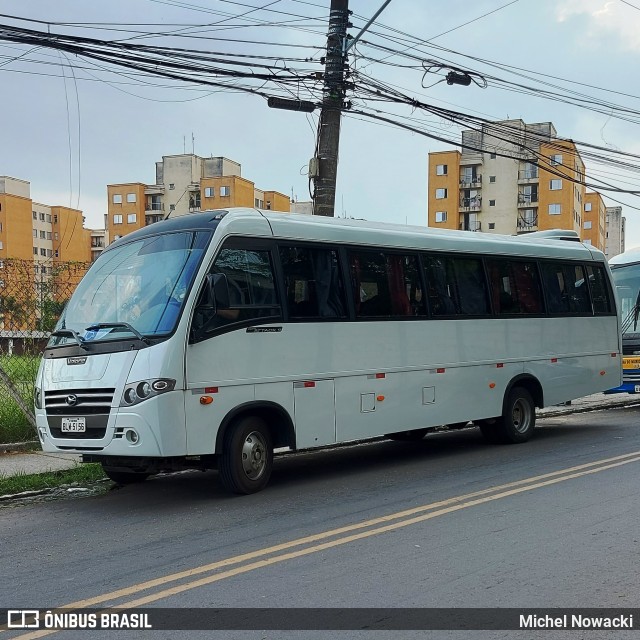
{"x": 625, "y": 270}
{"x": 208, "y": 340}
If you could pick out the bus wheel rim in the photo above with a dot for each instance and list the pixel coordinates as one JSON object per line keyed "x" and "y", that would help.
{"x": 521, "y": 416}
{"x": 254, "y": 455}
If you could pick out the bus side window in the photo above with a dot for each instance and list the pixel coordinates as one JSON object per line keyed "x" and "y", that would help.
{"x": 515, "y": 288}
{"x": 599, "y": 290}
{"x": 251, "y": 287}
{"x": 313, "y": 283}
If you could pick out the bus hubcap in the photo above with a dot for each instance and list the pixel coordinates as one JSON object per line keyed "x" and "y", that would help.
{"x": 521, "y": 416}
{"x": 254, "y": 455}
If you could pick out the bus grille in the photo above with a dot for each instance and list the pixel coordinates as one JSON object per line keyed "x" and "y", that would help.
{"x": 80, "y": 402}
{"x": 93, "y": 404}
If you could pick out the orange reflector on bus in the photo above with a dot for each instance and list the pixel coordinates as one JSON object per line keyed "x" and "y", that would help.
{"x": 206, "y": 399}
{"x": 614, "y": 355}
{"x": 379, "y": 398}
{"x": 309, "y": 384}
{"x": 492, "y": 385}
{"x": 500, "y": 365}
{"x": 554, "y": 359}
{"x": 440, "y": 370}
{"x": 381, "y": 375}
{"x": 602, "y": 373}
{"x": 211, "y": 389}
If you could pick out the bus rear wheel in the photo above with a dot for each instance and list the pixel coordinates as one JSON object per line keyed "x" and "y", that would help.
{"x": 119, "y": 476}
{"x": 247, "y": 456}
{"x": 517, "y": 422}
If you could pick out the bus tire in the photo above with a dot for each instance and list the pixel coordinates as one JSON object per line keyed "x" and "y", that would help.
{"x": 408, "y": 436}
{"x": 124, "y": 477}
{"x": 517, "y": 422}
{"x": 247, "y": 456}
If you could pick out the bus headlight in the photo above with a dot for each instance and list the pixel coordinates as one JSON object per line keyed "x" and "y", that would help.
{"x": 137, "y": 392}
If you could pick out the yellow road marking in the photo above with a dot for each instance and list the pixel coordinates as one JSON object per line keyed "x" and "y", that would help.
{"x": 435, "y": 509}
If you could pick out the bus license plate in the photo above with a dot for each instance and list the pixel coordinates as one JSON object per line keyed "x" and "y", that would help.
{"x": 74, "y": 425}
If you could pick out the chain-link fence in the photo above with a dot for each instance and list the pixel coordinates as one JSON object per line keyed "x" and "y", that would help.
{"x": 32, "y": 297}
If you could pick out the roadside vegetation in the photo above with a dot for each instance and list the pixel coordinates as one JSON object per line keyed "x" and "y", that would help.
{"x": 81, "y": 475}
{"x": 22, "y": 370}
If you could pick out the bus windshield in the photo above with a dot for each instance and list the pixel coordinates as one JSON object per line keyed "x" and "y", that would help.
{"x": 627, "y": 283}
{"x": 137, "y": 289}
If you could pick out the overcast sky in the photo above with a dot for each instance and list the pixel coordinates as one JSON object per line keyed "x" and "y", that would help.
{"x": 70, "y": 139}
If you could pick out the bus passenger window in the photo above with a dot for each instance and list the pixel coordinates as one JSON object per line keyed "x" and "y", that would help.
{"x": 599, "y": 290}
{"x": 515, "y": 288}
{"x": 313, "y": 283}
{"x": 385, "y": 285}
{"x": 456, "y": 286}
{"x": 566, "y": 288}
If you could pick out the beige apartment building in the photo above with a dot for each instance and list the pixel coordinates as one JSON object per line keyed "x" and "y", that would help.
{"x": 615, "y": 232}
{"x": 184, "y": 184}
{"x": 525, "y": 180}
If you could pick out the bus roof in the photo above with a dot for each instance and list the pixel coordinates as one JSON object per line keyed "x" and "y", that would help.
{"x": 632, "y": 256}
{"x": 259, "y": 223}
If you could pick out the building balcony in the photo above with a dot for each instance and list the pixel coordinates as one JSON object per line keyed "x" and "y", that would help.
{"x": 471, "y": 226}
{"x": 526, "y": 200}
{"x": 470, "y": 204}
{"x": 468, "y": 182}
{"x": 526, "y": 225}
{"x": 528, "y": 175}
{"x": 470, "y": 158}
{"x": 153, "y": 218}
{"x": 154, "y": 206}
{"x": 154, "y": 189}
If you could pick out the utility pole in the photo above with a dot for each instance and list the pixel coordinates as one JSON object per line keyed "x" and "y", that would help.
{"x": 324, "y": 167}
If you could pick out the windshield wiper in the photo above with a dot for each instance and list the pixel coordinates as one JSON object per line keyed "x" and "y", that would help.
{"x": 70, "y": 333}
{"x": 116, "y": 325}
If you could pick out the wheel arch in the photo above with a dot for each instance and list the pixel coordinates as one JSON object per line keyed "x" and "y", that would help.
{"x": 275, "y": 416}
{"x": 531, "y": 384}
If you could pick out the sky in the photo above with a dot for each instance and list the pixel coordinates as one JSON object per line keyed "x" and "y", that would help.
{"x": 71, "y": 131}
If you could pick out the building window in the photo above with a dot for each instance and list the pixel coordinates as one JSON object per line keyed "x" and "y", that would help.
{"x": 48, "y": 217}
{"x": 441, "y": 169}
{"x": 131, "y": 197}
{"x": 48, "y": 235}
{"x": 492, "y": 203}
{"x": 132, "y": 218}
{"x": 587, "y": 225}
{"x": 441, "y": 194}
{"x": 56, "y": 253}
{"x": 49, "y": 253}
{"x": 209, "y": 192}
{"x": 556, "y": 159}
{"x": 441, "y": 216}
{"x": 35, "y": 233}
{"x": 492, "y": 178}
{"x": 117, "y": 198}
{"x": 587, "y": 206}
{"x": 492, "y": 225}
{"x": 587, "y": 242}
{"x": 35, "y": 215}
{"x": 225, "y": 191}
{"x": 172, "y": 186}
{"x": 55, "y": 219}
{"x": 42, "y": 217}
{"x": 172, "y": 207}
{"x": 554, "y": 209}
{"x": 55, "y": 235}
{"x": 43, "y": 252}
{"x": 555, "y": 185}
{"x": 117, "y": 219}
{"x": 492, "y": 156}
{"x": 43, "y": 235}
{"x": 35, "y": 251}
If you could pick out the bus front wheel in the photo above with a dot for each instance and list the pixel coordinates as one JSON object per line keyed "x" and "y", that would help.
{"x": 517, "y": 422}
{"x": 247, "y": 456}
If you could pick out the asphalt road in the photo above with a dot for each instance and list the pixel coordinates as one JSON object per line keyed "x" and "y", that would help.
{"x": 446, "y": 522}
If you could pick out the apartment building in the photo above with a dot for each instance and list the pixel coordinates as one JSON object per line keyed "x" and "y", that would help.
{"x": 184, "y": 184}
{"x": 512, "y": 177}
{"x": 615, "y": 232}
{"x": 43, "y": 233}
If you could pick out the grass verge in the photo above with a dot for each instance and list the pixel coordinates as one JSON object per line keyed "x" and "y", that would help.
{"x": 82, "y": 474}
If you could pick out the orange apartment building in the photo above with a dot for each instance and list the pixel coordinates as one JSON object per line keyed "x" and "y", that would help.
{"x": 184, "y": 184}
{"x": 526, "y": 180}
